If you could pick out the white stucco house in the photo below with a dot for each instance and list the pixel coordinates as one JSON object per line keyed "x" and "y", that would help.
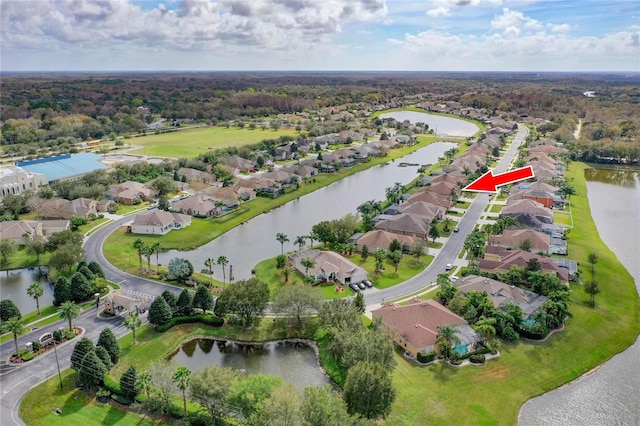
{"x": 159, "y": 222}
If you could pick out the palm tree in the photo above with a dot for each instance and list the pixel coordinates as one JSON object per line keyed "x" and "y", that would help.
{"x": 36, "y": 291}
{"x": 300, "y": 239}
{"x": 182, "y": 378}
{"x": 282, "y": 238}
{"x": 209, "y": 263}
{"x": 307, "y": 263}
{"x": 132, "y": 322}
{"x": 446, "y": 337}
{"x": 223, "y": 261}
{"x": 486, "y": 327}
{"x": 69, "y": 311}
{"x": 148, "y": 251}
{"x": 446, "y": 222}
{"x": 379, "y": 255}
{"x": 15, "y": 327}
{"x": 156, "y": 248}
{"x": 138, "y": 245}
{"x": 143, "y": 381}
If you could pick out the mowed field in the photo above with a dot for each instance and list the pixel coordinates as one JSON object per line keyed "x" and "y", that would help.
{"x": 192, "y": 142}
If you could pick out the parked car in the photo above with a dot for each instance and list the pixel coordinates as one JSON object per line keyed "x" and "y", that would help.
{"x": 362, "y": 285}
{"x": 354, "y": 287}
{"x": 453, "y": 278}
{"x": 448, "y": 267}
{"x": 456, "y": 229}
{"x": 368, "y": 283}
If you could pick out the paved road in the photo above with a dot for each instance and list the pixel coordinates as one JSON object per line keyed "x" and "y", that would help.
{"x": 16, "y": 381}
{"x": 453, "y": 246}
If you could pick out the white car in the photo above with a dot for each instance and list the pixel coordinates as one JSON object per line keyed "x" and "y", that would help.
{"x": 448, "y": 267}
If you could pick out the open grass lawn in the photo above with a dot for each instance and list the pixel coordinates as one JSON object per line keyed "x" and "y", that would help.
{"x": 22, "y": 259}
{"x": 562, "y": 218}
{"x": 407, "y": 268}
{"x": 496, "y": 208}
{"x": 190, "y": 143}
{"x": 493, "y": 394}
{"x": 89, "y": 227}
{"x": 77, "y": 407}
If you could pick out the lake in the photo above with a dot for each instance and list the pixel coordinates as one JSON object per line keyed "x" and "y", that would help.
{"x": 14, "y": 284}
{"x": 294, "y": 362}
{"x": 247, "y": 245}
{"x": 442, "y": 125}
{"x": 609, "y": 395}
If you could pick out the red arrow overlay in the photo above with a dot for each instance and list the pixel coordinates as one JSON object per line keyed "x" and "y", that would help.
{"x": 489, "y": 183}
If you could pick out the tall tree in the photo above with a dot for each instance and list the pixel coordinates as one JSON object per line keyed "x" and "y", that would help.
{"x": 184, "y": 305}
{"x": 133, "y": 322}
{"x": 591, "y": 288}
{"x": 69, "y": 311}
{"x": 138, "y": 244}
{"x": 223, "y": 261}
{"x": 156, "y": 248}
{"x": 374, "y": 381}
{"x": 159, "y": 311}
{"x": 592, "y": 258}
{"x": 247, "y": 299}
{"x": 210, "y": 388}
{"x": 36, "y": 246}
{"x": 15, "y": 327}
{"x": 82, "y": 348}
{"x": 395, "y": 257}
{"x": 92, "y": 371}
{"x": 300, "y": 241}
{"x": 182, "y": 378}
{"x": 359, "y": 302}
{"x": 434, "y": 233}
{"x": 419, "y": 249}
{"x": 248, "y": 393}
{"x": 108, "y": 341}
{"x": 297, "y": 301}
{"x": 129, "y": 383}
{"x": 147, "y": 251}
{"x": 36, "y": 291}
{"x": 379, "y": 255}
{"x": 103, "y": 355}
{"x": 7, "y": 249}
{"x": 210, "y": 263}
{"x": 8, "y": 309}
{"x": 282, "y": 407}
{"x": 307, "y": 263}
{"x": 202, "y": 299}
{"x": 322, "y": 406}
{"x": 282, "y": 238}
{"x": 143, "y": 382}
{"x": 445, "y": 339}
{"x": 486, "y": 326}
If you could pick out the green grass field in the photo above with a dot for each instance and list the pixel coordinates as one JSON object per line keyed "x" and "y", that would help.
{"x": 192, "y": 142}
{"x": 562, "y": 218}
{"x": 496, "y": 208}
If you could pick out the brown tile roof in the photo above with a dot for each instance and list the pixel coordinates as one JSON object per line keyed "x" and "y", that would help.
{"x": 431, "y": 197}
{"x": 513, "y": 238}
{"x": 528, "y": 206}
{"x": 160, "y": 218}
{"x": 520, "y": 258}
{"x": 405, "y": 222}
{"x": 378, "y": 238}
{"x": 417, "y": 322}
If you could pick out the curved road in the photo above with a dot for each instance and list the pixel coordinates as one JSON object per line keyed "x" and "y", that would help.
{"x": 15, "y": 381}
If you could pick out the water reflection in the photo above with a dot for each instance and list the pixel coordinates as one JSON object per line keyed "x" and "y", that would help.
{"x": 14, "y": 284}
{"x": 613, "y": 175}
{"x": 295, "y": 362}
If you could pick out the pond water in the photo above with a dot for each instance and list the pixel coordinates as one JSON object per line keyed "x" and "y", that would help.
{"x": 609, "y": 395}
{"x": 294, "y": 362}
{"x": 442, "y": 125}
{"x": 14, "y": 284}
{"x": 248, "y": 244}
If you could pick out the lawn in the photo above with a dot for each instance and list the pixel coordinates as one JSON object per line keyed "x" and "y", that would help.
{"x": 77, "y": 407}
{"x": 22, "y": 259}
{"x": 562, "y": 218}
{"x": 494, "y": 393}
{"x": 496, "y": 208}
{"x": 192, "y": 142}
{"x": 91, "y": 226}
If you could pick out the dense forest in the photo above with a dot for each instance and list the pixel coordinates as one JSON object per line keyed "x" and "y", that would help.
{"x": 39, "y": 112}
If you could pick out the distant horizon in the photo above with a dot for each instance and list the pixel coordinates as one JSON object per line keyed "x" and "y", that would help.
{"x": 535, "y": 36}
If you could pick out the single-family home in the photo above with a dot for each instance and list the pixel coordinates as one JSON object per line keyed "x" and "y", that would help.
{"x": 528, "y": 212}
{"x": 378, "y": 238}
{"x": 195, "y": 175}
{"x": 197, "y": 205}
{"x": 159, "y": 222}
{"x": 405, "y": 224}
{"x": 414, "y": 327}
{"x": 499, "y": 260}
{"x": 424, "y": 194}
{"x": 128, "y": 192}
{"x": 18, "y": 230}
{"x": 500, "y": 293}
{"x": 515, "y": 238}
{"x": 328, "y": 266}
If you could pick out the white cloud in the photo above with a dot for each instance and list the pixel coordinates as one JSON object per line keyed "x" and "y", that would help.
{"x": 560, "y": 28}
{"x": 439, "y": 11}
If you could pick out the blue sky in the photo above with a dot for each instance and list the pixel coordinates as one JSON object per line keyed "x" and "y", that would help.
{"x": 430, "y": 35}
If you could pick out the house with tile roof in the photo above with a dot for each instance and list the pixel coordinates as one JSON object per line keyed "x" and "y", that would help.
{"x": 499, "y": 260}
{"x": 514, "y": 238}
{"x": 500, "y": 293}
{"x": 378, "y": 238}
{"x": 159, "y": 222}
{"x": 18, "y": 230}
{"x": 528, "y": 212}
{"x": 410, "y": 224}
{"x": 414, "y": 327}
{"x": 197, "y": 205}
{"x": 328, "y": 266}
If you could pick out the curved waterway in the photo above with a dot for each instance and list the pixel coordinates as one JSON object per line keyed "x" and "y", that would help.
{"x": 293, "y": 361}
{"x": 609, "y": 395}
{"x": 247, "y": 245}
{"x": 440, "y": 124}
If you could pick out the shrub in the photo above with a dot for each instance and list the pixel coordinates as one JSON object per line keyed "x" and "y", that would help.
{"x": 111, "y": 384}
{"x": 426, "y": 358}
{"x": 103, "y": 395}
{"x": 69, "y": 334}
{"x": 57, "y": 335}
{"x": 477, "y": 359}
{"x": 203, "y": 318}
{"x": 28, "y": 356}
{"x": 36, "y": 346}
{"x": 533, "y": 334}
{"x": 121, "y": 399}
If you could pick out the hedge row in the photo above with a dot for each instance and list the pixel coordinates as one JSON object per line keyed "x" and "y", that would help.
{"x": 532, "y": 334}
{"x": 207, "y": 319}
{"x": 478, "y": 352}
{"x": 426, "y": 358}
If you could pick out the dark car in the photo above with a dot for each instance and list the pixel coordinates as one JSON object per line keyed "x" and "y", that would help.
{"x": 354, "y": 287}
{"x": 362, "y": 285}
{"x": 368, "y": 283}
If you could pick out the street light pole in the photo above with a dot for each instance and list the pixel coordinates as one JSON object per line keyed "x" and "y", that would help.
{"x": 55, "y": 349}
